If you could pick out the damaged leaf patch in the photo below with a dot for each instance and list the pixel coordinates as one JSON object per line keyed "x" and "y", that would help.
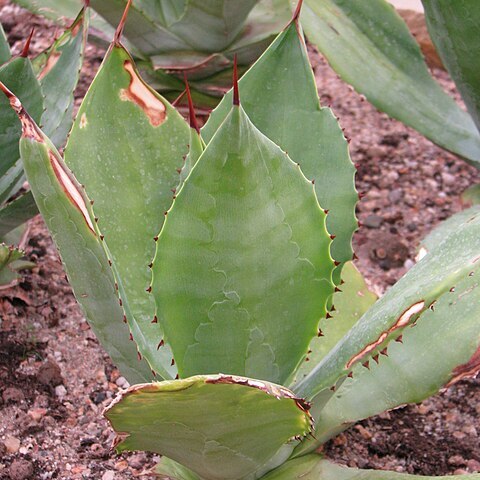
{"x": 138, "y": 92}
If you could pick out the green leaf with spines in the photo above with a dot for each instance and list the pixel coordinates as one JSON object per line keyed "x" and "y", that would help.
{"x": 17, "y": 74}
{"x": 315, "y": 467}
{"x": 414, "y": 369}
{"x": 350, "y": 304}
{"x": 59, "y": 78}
{"x": 125, "y": 147}
{"x": 67, "y": 213}
{"x": 453, "y": 260}
{"x": 455, "y": 31}
{"x": 243, "y": 250}
{"x": 370, "y": 47}
{"x": 5, "y": 54}
{"x": 243, "y": 422}
{"x": 309, "y": 133}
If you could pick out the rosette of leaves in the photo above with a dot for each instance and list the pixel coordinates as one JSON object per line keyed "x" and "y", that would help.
{"x": 211, "y": 272}
{"x": 45, "y": 85}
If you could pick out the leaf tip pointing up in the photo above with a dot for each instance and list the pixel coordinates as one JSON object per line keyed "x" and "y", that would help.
{"x": 26, "y": 48}
{"x": 298, "y": 9}
{"x": 29, "y": 127}
{"x": 191, "y": 110}
{"x": 236, "y": 95}
{"x": 121, "y": 25}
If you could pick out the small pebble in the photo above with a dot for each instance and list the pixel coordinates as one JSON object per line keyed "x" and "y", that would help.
{"x": 21, "y": 470}
{"x": 12, "y": 444}
{"x": 373, "y": 221}
{"x": 13, "y": 395}
{"x": 108, "y": 475}
{"x": 122, "y": 382}
{"x": 60, "y": 391}
{"x": 408, "y": 264}
{"x": 49, "y": 374}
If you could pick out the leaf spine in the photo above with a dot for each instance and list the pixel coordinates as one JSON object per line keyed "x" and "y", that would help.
{"x": 236, "y": 94}
{"x": 26, "y": 48}
{"x": 121, "y": 25}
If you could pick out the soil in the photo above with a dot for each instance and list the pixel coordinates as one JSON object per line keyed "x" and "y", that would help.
{"x": 55, "y": 380}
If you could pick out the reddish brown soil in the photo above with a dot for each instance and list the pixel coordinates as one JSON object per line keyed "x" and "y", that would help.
{"x": 55, "y": 380}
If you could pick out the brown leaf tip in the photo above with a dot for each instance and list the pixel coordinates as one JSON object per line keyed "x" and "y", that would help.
{"x": 26, "y": 48}
{"x": 236, "y": 94}
{"x": 191, "y": 110}
{"x": 121, "y": 25}
{"x": 298, "y": 9}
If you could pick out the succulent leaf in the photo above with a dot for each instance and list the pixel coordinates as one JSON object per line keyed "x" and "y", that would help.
{"x": 436, "y": 274}
{"x": 68, "y": 216}
{"x": 8, "y": 256}
{"x": 308, "y": 133}
{"x": 59, "y": 77}
{"x": 17, "y": 74}
{"x": 455, "y": 30}
{"x": 315, "y": 467}
{"x": 169, "y": 470}
{"x": 141, "y": 155}
{"x": 16, "y": 212}
{"x": 350, "y": 304}
{"x": 471, "y": 196}
{"x": 370, "y": 47}
{"x": 242, "y": 424}
{"x": 11, "y": 181}
{"x": 242, "y": 270}
{"x": 414, "y": 369}
{"x": 444, "y": 229}
{"x": 5, "y": 54}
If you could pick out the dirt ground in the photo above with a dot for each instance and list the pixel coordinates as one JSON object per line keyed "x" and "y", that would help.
{"x": 55, "y": 380}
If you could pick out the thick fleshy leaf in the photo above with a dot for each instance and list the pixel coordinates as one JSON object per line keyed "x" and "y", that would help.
{"x": 221, "y": 427}
{"x": 370, "y": 47}
{"x": 308, "y": 133}
{"x": 444, "y": 229}
{"x": 67, "y": 213}
{"x": 143, "y": 32}
{"x": 350, "y": 304}
{"x": 314, "y": 467}
{"x": 242, "y": 270}
{"x": 8, "y": 256}
{"x": 169, "y": 470}
{"x": 202, "y": 25}
{"x": 18, "y": 76}
{"x": 63, "y": 12}
{"x": 455, "y": 30}
{"x": 59, "y": 79}
{"x": 471, "y": 196}
{"x": 55, "y": 10}
{"x": 415, "y": 369}
{"x": 437, "y": 273}
{"x": 5, "y": 54}
{"x": 125, "y": 147}
{"x": 11, "y": 181}
{"x": 18, "y": 211}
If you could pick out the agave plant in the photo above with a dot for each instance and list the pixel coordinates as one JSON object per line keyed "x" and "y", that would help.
{"x": 234, "y": 307}
{"x": 45, "y": 86}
